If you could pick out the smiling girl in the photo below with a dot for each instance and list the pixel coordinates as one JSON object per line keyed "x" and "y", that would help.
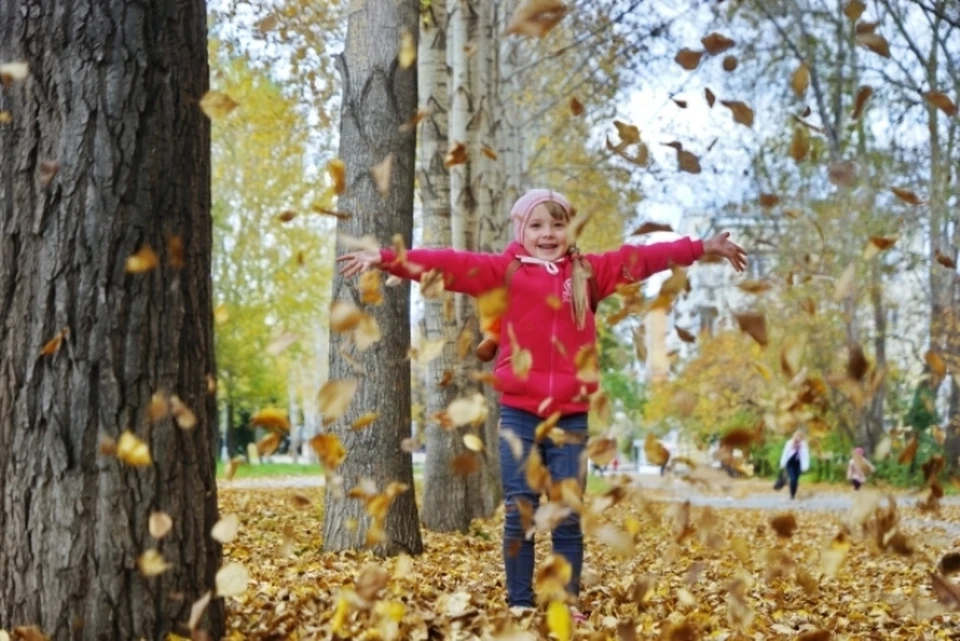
{"x": 552, "y": 292}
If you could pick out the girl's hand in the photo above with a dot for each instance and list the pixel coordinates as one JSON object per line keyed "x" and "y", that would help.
{"x": 358, "y": 262}
{"x": 721, "y": 245}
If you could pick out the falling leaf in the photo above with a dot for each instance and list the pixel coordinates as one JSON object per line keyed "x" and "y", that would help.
{"x": 159, "y": 524}
{"x": 334, "y": 397}
{"x": 535, "y": 18}
{"x": 944, "y": 260}
{"x": 769, "y": 200}
{"x": 329, "y": 449}
{"x": 337, "y": 170}
{"x": 650, "y": 227}
{"x": 152, "y": 563}
{"x": 875, "y": 43}
{"x": 654, "y": 450}
{"x": 799, "y": 144}
{"x": 576, "y": 107}
{"x": 601, "y": 450}
{"x": 286, "y": 216}
{"x": 47, "y": 171}
{"x": 755, "y": 286}
{"x": 381, "y": 173}
{"x": 465, "y": 464}
{"x": 753, "y": 324}
{"x": 559, "y": 621}
{"x": 742, "y": 114}
{"x": 225, "y": 530}
{"x": 730, "y": 63}
{"x": 711, "y": 98}
{"x": 907, "y": 196}
{"x": 863, "y": 95}
{"x": 271, "y": 418}
{"x": 680, "y": 103}
{"x": 688, "y": 162}
{"x": 456, "y": 155}
{"x": 183, "y": 415}
{"x": 832, "y": 557}
{"x": 132, "y": 451}
{"x": 5, "y": 119}
{"x": 737, "y": 438}
{"x": 52, "y": 346}
{"x": 12, "y": 72}
{"x": 285, "y": 340}
{"x": 842, "y": 173}
{"x": 143, "y": 261}
{"x": 216, "y": 104}
{"x": 909, "y": 452}
{"x": 175, "y": 251}
{"x": 844, "y": 284}
{"x": 408, "y": 50}
{"x": 800, "y": 80}
{"x": 267, "y": 24}
{"x": 878, "y": 244}
{"x": 685, "y": 335}
{"x": 784, "y": 524}
{"x": 231, "y": 580}
{"x": 197, "y": 609}
{"x": 364, "y": 420}
{"x": 629, "y": 134}
{"x": 854, "y": 9}
{"x": 468, "y": 410}
{"x": 688, "y": 59}
{"x": 488, "y": 151}
{"x": 473, "y": 442}
{"x": 268, "y": 444}
{"x": 942, "y": 102}
{"x": 717, "y": 43}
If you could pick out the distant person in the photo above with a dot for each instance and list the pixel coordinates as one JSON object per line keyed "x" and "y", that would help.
{"x": 858, "y": 468}
{"x": 549, "y": 303}
{"x": 795, "y": 459}
{"x": 616, "y": 465}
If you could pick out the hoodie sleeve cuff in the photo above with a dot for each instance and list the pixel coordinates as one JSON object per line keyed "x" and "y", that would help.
{"x": 697, "y": 246}
{"x": 387, "y": 256}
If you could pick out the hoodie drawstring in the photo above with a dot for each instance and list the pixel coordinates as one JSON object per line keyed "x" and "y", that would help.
{"x": 550, "y": 266}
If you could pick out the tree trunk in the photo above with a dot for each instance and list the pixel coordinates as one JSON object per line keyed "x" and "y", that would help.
{"x": 446, "y": 495}
{"x": 112, "y": 99}
{"x": 378, "y": 97}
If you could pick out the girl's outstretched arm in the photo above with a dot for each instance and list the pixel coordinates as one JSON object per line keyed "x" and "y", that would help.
{"x": 465, "y": 272}
{"x": 631, "y": 263}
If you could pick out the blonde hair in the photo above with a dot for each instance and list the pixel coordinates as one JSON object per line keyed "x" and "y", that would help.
{"x": 582, "y": 272}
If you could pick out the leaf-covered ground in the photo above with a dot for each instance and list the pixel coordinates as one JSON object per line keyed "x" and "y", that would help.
{"x": 686, "y": 573}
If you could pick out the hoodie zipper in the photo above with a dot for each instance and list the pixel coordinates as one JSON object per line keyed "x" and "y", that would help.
{"x": 553, "y": 332}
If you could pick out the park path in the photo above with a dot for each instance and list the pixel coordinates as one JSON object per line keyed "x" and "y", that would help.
{"x": 675, "y": 490}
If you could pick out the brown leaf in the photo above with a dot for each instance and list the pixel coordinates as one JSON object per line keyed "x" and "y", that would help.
{"x": 742, "y": 114}
{"x": 334, "y": 397}
{"x": 601, "y": 450}
{"x": 629, "y": 134}
{"x": 535, "y": 18}
{"x": 769, "y": 200}
{"x": 866, "y": 27}
{"x": 709, "y": 96}
{"x": 907, "y": 196}
{"x": 488, "y": 151}
{"x": 654, "y": 450}
{"x": 337, "y": 171}
{"x": 465, "y": 463}
{"x": 755, "y": 286}
{"x": 800, "y": 144}
{"x": 815, "y": 635}
{"x": 680, "y": 103}
{"x": 942, "y": 102}
{"x": 854, "y": 9}
{"x": 267, "y": 24}
{"x": 381, "y": 173}
{"x": 784, "y": 524}
{"x": 685, "y": 335}
{"x": 800, "y": 80}
{"x": 936, "y": 363}
{"x": 949, "y": 563}
{"x": 329, "y": 449}
{"x": 875, "y": 43}
{"x": 688, "y": 58}
{"x": 863, "y": 95}
{"x": 688, "y": 162}
{"x": 944, "y": 260}
{"x": 52, "y": 346}
{"x": 738, "y": 438}
{"x": 716, "y": 43}
{"x": 909, "y": 452}
{"x": 730, "y": 63}
{"x": 754, "y": 324}
{"x": 457, "y": 155}
{"x": 857, "y": 364}
{"x": 48, "y": 169}
{"x": 842, "y": 173}
{"x": 576, "y": 107}
{"x": 650, "y": 227}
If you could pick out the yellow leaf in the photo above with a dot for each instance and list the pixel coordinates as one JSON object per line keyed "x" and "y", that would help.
{"x": 844, "y": 286}
{"x": 216, "y": 104}
{"x": 268, "y": 444}
{"x": 488, "y": 151}
{"x": 340, "y": 614}
{"x": 381, "y": 173}
{"x": 364, "y": 420}
{"x": 655, "y": 452}
{"x": 337, "y": 171}
{"x": 936, "y": 363}
{"x": 629, "y": 134}
{"x": 408, "y": 50}
{"x": 329, "y": 449}
{"x": 142, "y": 261}
{"x": 220, "y": 314}
{"x": 231, "y": 580}
{"x": 559, "y": 621}
{"x": 334, "y": 397}
{"x": 271, "y": 418}
{"x": 473, "y": 442}
{"x": 874, "y": 42}
{"x": 53, "y": 345}
{"x": 152, "y": 563}
{"x": 182, "y": 414}
{"x": 159, "y": 524}
{"x": 132, "y": 451}
{"x": 854, "y": 9}
{"x": 800, "y": 80}
{"x": 13, "y": 72}
{"x": 468, "y": 410}
{"x": 601, "y": 450}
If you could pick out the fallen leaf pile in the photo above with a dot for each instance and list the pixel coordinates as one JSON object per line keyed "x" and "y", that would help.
{"x": 689, "y": 573}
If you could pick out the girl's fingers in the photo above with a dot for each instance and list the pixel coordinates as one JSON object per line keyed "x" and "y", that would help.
{"x": 340, "y": 259}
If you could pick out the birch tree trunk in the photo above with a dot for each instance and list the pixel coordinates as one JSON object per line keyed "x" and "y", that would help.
{"x": 378, "y": 97}
{"x": 446, "y": 500}
{"x": 114, "y": 103}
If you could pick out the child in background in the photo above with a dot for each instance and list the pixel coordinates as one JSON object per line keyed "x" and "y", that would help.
{"x": 858, "y": 468}
{"x": 549, "y": 313}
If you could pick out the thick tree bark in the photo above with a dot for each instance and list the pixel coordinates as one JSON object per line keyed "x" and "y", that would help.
{"x": 112, "y": 97}
{"x": 378, "y": 97}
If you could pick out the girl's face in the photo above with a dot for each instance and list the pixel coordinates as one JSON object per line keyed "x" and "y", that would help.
{"x": 545, "y": 236}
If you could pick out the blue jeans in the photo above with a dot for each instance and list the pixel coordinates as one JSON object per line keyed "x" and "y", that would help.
{"x": 562, "y": 461}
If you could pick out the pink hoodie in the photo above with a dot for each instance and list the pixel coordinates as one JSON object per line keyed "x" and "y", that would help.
{"x": 551, "y": 335}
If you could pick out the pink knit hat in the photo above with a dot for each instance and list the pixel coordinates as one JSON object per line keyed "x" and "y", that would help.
{"x": 522, "y": 208}
{"x": 858, "y": 450}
